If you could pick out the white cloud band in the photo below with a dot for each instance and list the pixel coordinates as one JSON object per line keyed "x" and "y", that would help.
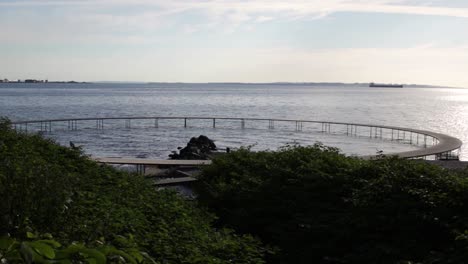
{"x": 291, "y": 8}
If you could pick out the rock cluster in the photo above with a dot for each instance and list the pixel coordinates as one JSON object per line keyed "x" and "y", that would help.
{"x": 200, "y": 148}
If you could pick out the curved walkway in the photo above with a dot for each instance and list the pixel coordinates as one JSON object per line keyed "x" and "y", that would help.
{"x": 442, "y": 147}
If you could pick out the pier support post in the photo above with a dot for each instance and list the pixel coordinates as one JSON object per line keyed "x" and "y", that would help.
{"x": 100, "y": 123}
{"x": 72, "y": 125}
{"x": 141, "y": 169}
{"x": 46, "y": 126}
{"x": 214, "y": 122}
{"x": 21, "y": 127}
{"x": 298, "y": 126}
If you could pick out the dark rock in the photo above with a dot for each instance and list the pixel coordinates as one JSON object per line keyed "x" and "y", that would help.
{"x": 197, "y": 148}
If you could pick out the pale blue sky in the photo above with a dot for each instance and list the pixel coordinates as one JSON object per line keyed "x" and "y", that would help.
{"x": 403, "y": 41}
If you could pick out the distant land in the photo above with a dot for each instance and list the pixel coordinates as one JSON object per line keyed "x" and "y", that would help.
{"x": 35, "y": 81}
{"x": 300, "y": 84}
{"x": 224, "y": 83}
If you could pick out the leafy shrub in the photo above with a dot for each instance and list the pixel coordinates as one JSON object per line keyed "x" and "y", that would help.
{"x": 36, "y": 179}
{"x": 50, "y": 251}
{"x": 47, "y": 188}
{"x": 318, "y": 206}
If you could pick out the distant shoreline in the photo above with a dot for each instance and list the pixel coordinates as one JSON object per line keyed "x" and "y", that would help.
{"x": 290, "y": 83}
{"x": 225, "y": 83}
{"x": 41, "y": 82}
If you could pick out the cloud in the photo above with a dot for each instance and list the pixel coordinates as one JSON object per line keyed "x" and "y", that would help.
{"x": 150, "y": 29}
{"x": 288, "y": 8}
{"x": 148, "y": 15}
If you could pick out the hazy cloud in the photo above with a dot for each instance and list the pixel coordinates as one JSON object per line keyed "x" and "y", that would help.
{"x": 244, "y": 8}
{"x": 160, "y": 40}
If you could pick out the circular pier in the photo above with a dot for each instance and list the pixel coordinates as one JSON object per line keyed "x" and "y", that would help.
{"x": 431, "y": 145}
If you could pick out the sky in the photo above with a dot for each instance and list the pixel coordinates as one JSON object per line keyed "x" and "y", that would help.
{"x": 389, "y": 41}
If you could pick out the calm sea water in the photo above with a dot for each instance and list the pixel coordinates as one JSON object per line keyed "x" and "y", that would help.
{"x": 437, "y": 109}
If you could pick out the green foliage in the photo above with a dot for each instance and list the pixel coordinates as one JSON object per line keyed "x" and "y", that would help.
{"x": 318, "y": 206}
{"x": 36, "y": 178}
{"x": 50, "y": 189}
{"x": 310, "y": 204}
{"x": 51, "y": 251}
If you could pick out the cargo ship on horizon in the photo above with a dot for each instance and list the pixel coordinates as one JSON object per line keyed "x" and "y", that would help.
{"x": 382, "y": 85}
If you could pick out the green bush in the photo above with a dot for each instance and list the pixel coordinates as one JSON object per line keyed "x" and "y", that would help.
{"x": 35, "y": 250}
{"x": 318, "y": 206}
{"x": 36, "y": 179}
{"x": 49, "y": 189}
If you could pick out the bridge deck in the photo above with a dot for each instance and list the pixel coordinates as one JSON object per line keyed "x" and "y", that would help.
{"x": 156, "y": 162}
{"x": 174, "y": 181}
{"x": 142, "y": 163}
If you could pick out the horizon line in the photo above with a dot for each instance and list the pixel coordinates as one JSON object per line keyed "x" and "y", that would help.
{"x": 243, "y": 83}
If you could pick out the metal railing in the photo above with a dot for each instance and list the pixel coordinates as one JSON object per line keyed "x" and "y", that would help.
{"x": 436, "y": 145}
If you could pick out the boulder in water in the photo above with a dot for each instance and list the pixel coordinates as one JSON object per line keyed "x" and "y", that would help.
{"x": 197, "y": 148}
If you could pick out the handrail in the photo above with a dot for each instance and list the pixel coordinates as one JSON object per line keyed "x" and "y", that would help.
{"x": 445, "y": 144}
